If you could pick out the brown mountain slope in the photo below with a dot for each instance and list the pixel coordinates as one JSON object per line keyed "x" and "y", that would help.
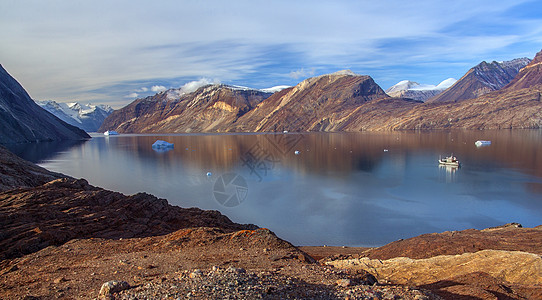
{"x": 503, "y": 109}
{"x": 529, "y": 75}
{"x": 316, "y": 104}
{"x": 212, "y": 108}
{"x": 481, "y": 79}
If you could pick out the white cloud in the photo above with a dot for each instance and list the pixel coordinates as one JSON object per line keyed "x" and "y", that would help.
{"x": 190, "y": 87}
{"x": 158, "y": 88}
{"x": 143, "y": 90}
{"x": 132, "y": 95}
{"x": 302, "y": 73}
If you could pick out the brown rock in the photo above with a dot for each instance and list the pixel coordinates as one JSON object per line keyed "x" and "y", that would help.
{"x": 65, "y": 209}
{"x": 508, "y": 237}
{"x": 510, "y": 266}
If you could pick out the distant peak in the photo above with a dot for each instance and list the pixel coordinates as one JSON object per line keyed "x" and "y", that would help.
{"x": 446, "y": 83}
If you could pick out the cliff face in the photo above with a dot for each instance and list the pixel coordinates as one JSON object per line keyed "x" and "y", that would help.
{"x": 482, "y": 79}
{"x": 23, "y": 121}
{"x": 212, "y": 108}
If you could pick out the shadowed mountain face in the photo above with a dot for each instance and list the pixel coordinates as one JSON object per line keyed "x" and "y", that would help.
{"x": 212, "y": 108}
{"x": 528, "y": 76}
{"x": 482, "y": 79}
{"x": 23, "y": 121}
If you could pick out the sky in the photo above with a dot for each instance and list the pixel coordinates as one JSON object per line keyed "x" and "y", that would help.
{"x": 112, "y": 52}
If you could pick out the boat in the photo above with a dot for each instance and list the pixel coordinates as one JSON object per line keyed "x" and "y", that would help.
{"x": 111, "y": 132}
{"x": 449, "y": 161}
{"x": 482, "y": 143}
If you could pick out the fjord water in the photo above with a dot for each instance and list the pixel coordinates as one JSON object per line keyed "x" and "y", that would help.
{"x": 354, "y": 189}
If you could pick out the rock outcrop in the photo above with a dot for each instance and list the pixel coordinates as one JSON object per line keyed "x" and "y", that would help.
{"x": 19, "y": 173}
{"x": 510, "y": 238}
{"x": 64, "y": 209}
{"x": 482, "y": 79}
{"x": 23, "y": 121}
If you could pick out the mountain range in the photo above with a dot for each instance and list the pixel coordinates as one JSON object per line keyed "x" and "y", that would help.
{"x": 23, "y": 121}
{"x": 493, "y": 95}
{"x": 85, "y": 116}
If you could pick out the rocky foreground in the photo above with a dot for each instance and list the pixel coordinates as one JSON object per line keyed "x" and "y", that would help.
{"x": 62, "y": 238}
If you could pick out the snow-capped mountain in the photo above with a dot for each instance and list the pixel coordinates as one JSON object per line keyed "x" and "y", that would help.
{"x": 88, "y": 117}
{"x": 416, "y": 91}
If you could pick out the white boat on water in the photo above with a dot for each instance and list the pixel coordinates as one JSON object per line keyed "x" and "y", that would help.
{"x": 111, "y": 132}
{"x": 482, "y": 143}
{"x": 449, "y": 161}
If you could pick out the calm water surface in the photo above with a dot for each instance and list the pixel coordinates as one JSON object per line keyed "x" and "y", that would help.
{"x": 355, "y": 189}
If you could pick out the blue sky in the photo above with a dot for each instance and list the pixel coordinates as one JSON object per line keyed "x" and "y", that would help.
{"x": 112, "y": 51}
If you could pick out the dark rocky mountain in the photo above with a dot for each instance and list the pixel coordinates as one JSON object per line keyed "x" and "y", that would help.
{"x": 88, "y": 117}
{"x": 482, "y": 79}
{"x": 528, "y": 76}
{"x": 22, "y": 120}
{"x": 212, "y": 108}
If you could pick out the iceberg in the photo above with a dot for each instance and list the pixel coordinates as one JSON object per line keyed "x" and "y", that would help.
{"x": 111, "y": 132}
{"x": 482, "y": 143}
{"x": 159, "y": 144}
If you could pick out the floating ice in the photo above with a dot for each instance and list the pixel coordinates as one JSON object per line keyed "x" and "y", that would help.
{"x": 482, "y": 143}
{"x": 159, "y": 144}
{"x": 111, "y": 132}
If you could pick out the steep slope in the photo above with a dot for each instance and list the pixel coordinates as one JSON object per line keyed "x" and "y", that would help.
{"x": 482, "y": 79}
{"x": 24, "y": 121}
{"x": 421, "y": 92}
{"x": 320, "y": 103}
{"x": 85, "y": 116}
{"x": 528, "y": 76}
{"x": 212, "y": 108}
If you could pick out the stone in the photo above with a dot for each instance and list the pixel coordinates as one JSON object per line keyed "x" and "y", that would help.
{"x": 112, "y": 287}
{"x": 344, "y": 282}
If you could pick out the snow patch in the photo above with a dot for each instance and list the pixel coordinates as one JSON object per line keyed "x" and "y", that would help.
{"x": 275, "y": 89}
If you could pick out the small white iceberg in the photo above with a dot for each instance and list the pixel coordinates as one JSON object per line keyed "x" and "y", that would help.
{"x": 159, "y": 144}
{"x": 482, "y": 143}
{"x": 111, "y": 132}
